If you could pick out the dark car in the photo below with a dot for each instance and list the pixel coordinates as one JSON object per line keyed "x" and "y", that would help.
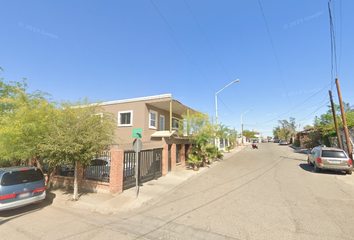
{"x": 255, "y": 141}
{"x": 99, "y": 169}
{"x": 276, "y": 140}
{"x": 327, "y": 158}
{"x": 20, "y": 186}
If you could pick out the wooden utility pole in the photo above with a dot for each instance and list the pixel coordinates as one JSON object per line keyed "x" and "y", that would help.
{"x": 349, "y": 146}
{"x": 335, "y": 120}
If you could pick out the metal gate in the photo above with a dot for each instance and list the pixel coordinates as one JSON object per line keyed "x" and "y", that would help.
{"x": 150, "y": 166}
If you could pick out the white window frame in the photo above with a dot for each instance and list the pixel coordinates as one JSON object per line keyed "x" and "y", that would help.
{"x": 178, "y": 123}
{"x": 163, "y": 123}
{"x": 131, "y": 118}
{"x": 156, "y": 119}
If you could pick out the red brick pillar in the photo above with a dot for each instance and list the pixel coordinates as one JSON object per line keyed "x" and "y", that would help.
{"x": 173, "y": 157}
{"x": 183, "y": 155}
{"x": 165, "y": 160}
{"x": 117, "y": 171}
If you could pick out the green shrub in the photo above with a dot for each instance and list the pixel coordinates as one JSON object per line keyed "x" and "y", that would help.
{"x": 297, "y": 143}
{"x": 228, "y": 148}
{"x": 195, "y": 160}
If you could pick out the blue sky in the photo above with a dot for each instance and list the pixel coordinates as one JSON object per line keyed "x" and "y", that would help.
{"x": 112, "y": 50}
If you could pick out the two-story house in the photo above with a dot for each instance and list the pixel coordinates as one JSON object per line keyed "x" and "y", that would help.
{"x": 157, "y": 116}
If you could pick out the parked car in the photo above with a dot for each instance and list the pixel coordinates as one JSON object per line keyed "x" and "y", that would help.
{"x": 67, "y": 170}
{"x": 283, "y": 142}
{"x": 99, "y": 169}
{"x": 327, "y": 158}
{"x": 255, "y": 141}
{"x": 276, "y": 140}
{"x": 20, "y": 186}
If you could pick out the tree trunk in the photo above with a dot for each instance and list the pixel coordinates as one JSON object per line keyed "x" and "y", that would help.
{"x": 204, "y": 162}
{"x": 38, "y": 163}
{"x": 76, "y": 188}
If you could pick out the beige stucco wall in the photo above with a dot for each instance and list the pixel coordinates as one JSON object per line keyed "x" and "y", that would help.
{"x": 141, "y": 120}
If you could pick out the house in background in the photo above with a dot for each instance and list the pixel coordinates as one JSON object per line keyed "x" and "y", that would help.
{"x": 158, "y": 117}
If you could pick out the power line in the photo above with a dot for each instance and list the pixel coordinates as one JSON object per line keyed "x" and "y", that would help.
{"x": 275, "y": 54}
{"x": 322, "y": 105}
{"x": 295, "y": 106}
{"x": 211, "y": 47}
{"x": 200, "y": 71}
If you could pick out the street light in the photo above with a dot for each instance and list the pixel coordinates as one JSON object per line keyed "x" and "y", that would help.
{"x": 216, "y": 108}
{"x": 242, "y": 125}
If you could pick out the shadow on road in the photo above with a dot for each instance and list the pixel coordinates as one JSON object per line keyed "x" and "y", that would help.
{"x": 308, "y": 168}
{"x": 18, "y": 212}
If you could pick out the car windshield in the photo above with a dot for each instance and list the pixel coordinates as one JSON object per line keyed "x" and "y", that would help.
{"x": 333, "y": 154}
{"x": 19, "y": 177}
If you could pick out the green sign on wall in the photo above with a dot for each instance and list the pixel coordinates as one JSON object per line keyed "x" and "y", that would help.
{"x": 137, "y": 132}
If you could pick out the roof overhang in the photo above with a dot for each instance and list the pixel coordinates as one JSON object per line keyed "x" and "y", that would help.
{"x": 177, "y": 107}
{"x": 168, "y": 134}
{"x": 163, "y": 134}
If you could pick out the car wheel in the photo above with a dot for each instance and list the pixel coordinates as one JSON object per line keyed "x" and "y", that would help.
{"x": 316, "y": 169}
{"x": 349, "y": 172}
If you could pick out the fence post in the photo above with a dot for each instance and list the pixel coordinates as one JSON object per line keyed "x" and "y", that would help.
{"x": 165, "y": 160}
{"x": 183, "y": 155}
{"x": 173, "y": 157}
{"x": 116, "y": 173}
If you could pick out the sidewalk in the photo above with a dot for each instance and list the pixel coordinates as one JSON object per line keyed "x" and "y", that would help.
{"x": 106, "y": 203}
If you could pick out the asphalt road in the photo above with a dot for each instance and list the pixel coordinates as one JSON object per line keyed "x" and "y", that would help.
{"x": 269, "y": 193}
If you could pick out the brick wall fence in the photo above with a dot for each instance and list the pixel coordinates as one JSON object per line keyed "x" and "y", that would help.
{"x": 115, "y": 184}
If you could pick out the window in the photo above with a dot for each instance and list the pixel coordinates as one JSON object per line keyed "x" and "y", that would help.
{"x": 333, "y": 154}
{"x": 162, "y": 122}
{"x": 153, "y": 119}
{"x": 20, "y": 177}
{"x": 175, "y": 123}
{"x": 125, "y": 118}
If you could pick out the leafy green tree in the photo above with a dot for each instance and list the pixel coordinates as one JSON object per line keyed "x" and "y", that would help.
{"x": 24, "y": 121}
{"x": 197, "y": 126}
{"x": 286, "y": 129}
{"x": 233, "y": 135}
{"x": 77, "y": 133}
{"x": 249, "y": 134}
{"x": 308, "y": 127}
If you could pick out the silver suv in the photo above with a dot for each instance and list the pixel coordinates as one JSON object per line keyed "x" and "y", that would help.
{"x": 327, "y": 158}
{"x": 21, "y": 186}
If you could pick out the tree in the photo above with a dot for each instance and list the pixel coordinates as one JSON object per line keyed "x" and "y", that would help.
{"x": 249, "y": 134}
{"x": 23, "y": 120}
{"x": 324, "y": 124}
{"x": 197, "y": 126}
{"x": 78, "y": 131}
{"x": 233, "y": 135}
{"x": 222, "y": 131}
{"x": 286, "y": 129}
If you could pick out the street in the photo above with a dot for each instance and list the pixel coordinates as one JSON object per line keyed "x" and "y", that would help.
{"x": 264, "y": 193}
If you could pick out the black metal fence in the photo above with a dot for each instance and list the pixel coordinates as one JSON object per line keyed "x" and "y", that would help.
{"x": 100, "y": 168}
{"x": 150, "y": 166}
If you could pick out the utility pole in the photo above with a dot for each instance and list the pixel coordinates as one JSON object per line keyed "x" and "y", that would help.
{"x": 335, "y": 120}
{"x": 350, "y": 152}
